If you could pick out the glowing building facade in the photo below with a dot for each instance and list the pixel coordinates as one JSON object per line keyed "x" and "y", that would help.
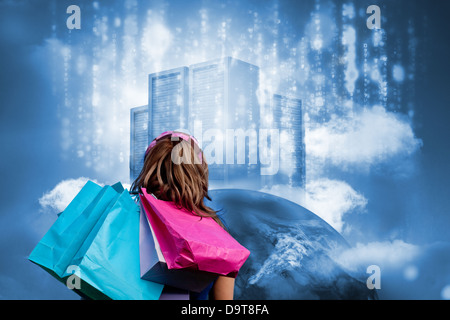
{"x": 224, "y": 104}
{"x": 217, "y": 102}
{"x": 167, "y": 101}
{"x": 139, "y": 139}
{"x": 288, "y": 118}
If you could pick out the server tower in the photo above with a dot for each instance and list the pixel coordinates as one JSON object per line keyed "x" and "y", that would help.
{"x": 223, "y": 102}
{"x": 167, "y": 101}
{"x": 138, "y": 139}
{"x": 288, "y": 118}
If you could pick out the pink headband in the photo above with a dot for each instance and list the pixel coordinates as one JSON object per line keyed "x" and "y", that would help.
{"x": 175, "y": 136}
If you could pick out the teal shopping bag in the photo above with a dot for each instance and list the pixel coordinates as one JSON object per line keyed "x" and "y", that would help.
{"x": 94, "y": 245}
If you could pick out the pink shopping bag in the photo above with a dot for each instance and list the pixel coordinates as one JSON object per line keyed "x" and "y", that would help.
{"x": 189, "y": 241}
{"x": 154, "y": 267}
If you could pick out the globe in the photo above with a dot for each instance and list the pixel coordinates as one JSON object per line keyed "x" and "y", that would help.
{"x": 291, "y": 249}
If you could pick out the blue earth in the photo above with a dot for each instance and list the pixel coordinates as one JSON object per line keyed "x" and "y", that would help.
{"x": 291, "y": 249}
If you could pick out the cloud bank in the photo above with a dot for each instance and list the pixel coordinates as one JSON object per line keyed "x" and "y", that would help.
{"x": 332, "y": 199}
{"x": 329, "y": 199}
{"x": 407, "y": 270}
{"x": 370, "y": 137}
{"x": 62, "y": 194}
{"x": 384, "y": 254}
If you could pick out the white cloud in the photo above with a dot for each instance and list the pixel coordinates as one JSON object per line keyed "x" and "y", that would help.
{"x": 445, "y": 292}
{"x": 371, "y": 136}
{"x": 387, "y": 254}
{"x": 63, "y": 193}
{"x": 329, "y": 199}
{"x": 332, "y": 199}
{"x": 293, "y": 194}
{"x": 156, "y": 40}
{"x": 60, "y": 196}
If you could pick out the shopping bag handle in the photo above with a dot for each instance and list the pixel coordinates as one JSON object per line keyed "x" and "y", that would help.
{"x": 136, "y": 193}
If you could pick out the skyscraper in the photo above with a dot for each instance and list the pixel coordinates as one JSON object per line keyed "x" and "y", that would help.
{"x": 217, "y": 102}
{"x": 288, "y": 118}
{"x": 223, "y": 103}
{"x": 138, "y": 139}
{"x": 167, "y": 101}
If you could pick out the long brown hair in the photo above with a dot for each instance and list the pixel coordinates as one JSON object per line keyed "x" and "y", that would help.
{"x": 183, "y": 182}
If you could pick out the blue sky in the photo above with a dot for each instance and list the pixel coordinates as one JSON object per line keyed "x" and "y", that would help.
{"x": 380, "y": 177}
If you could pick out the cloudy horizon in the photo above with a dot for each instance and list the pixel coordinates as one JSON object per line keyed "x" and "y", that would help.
{"x": 375, "y": 106}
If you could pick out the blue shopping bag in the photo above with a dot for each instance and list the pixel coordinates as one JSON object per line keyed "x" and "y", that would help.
{"x": 95, "y": 241}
